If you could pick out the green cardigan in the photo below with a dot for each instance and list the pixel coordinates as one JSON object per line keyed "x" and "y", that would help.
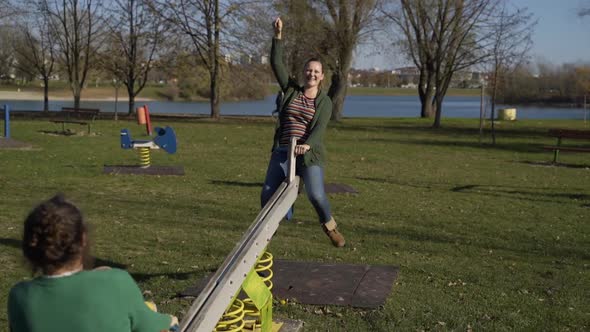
{"x": 88, "y": 301}
{"x": 323, "y": 108}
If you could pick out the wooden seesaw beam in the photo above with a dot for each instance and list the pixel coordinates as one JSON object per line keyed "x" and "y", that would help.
{"x": 217, "y": 295}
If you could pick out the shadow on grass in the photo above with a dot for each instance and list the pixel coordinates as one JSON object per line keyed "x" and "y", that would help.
{"x": 94, "y": 261}
{"x": 141, "y": 277}
{"x": 515, "y": 147}
{"x": 67, "y": 132}
{"x": 527, "y": 193}
{"x": 224, "y": 213}
{"x": 400, "y": 183}
{"x": 10, "y": 243}
{"x": 97, "y": 262}
{"x": 448, "y": 130}
{"x": 522, "y": 246}
{"x": 517, "y": 192}
{"x": 552, "y": 164}
{"x": 237, "y": 183}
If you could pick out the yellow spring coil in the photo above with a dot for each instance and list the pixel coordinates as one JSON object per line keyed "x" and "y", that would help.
{"x": 144, "y": 156}
{"x": 233, "y": 318}
{"x": 263, "y": 268}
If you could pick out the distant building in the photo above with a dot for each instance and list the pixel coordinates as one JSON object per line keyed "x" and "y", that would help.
{"x": 407, "y": 75}
{"x": 409, "y": 86}
{"x": 406, "y": 71}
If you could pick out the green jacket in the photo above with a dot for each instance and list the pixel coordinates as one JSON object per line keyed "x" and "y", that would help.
{"x": 88, "y": 301}
{"x": 323, "y": 108}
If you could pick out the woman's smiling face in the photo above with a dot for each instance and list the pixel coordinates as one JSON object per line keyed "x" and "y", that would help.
{"x": 314, "y": 74}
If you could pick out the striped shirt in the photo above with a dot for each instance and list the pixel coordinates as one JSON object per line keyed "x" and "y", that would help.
{"x": 296, "y": 120}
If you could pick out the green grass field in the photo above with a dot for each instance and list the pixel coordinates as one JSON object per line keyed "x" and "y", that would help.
{"x": 486, "y": 237}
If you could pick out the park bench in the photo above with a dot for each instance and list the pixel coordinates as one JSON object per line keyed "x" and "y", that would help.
{"x": 562, "y": 134}
{"x": 81, "y": 116}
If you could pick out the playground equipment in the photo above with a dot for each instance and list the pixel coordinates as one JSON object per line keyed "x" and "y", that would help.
{"x": 143, "y": 117}
{"x": 165, "y": 140}
{"x": 241, "y": 269}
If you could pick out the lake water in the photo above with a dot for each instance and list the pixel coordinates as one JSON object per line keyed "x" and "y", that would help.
{"x": 355, "y": 106}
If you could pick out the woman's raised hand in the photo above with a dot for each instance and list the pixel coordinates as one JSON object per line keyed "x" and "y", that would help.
{"x": 278, "y": 25}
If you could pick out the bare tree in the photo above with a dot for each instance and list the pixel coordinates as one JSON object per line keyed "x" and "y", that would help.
{"x": 8, "y": 9}
{"x": 200, "y": 21}
{"x": 304, "y": 27}
{"x": 75, "y": 24}
{"x": 441, "y": 37}
{"x": 134, "y": 36}
{"x": 346, "y": 22}
{"x": 36, "y": 50}
{"x": 511, "y": 40}
{"x": 329, "y": 30}
{"x": 7, "y": 54}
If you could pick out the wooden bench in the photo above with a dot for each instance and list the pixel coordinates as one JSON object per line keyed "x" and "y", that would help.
{"x": 81, "y": 116}
{"x": 562, "y": 134}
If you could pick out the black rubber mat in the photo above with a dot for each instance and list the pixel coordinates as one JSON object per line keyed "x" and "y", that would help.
{"x": 362, "y": 286}
{"x": 365, "y": 286}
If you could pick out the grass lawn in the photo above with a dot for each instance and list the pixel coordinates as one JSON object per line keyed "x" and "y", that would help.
{"x": 486, "y": 237}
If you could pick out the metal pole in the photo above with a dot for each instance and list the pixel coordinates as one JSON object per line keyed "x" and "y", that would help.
{"x": 481, "y": 115}
{"x": 116, "y": 99}
{"x": 6, "y": 121}
{"x": 585, "y": 110}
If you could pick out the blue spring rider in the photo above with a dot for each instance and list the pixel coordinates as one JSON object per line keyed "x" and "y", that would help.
{"x": 165, "y": 139}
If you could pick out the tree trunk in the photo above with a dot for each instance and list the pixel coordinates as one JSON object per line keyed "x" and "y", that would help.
{"x": 77, "y": 92}
{"x": 214, "y": 98}
{"x": 338, "y": 88}
{"x": 45, "y": 94}
{"x": 131, "y": 95}
{"x": 492, "y": 115}
{"x": 426, "y": 94}
{"x": 214, "y": 58}
{"x": 438, "y": 113}
{"x": 427, "y": 108}
{"x": 337, "y": 93}
{"x": 131, "y": 104}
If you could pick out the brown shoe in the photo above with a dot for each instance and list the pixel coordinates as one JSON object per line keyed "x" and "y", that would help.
{"x": 336, "y": 237}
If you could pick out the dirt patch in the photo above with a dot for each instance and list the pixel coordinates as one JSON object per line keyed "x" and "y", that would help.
{"x": 9, "y": 143}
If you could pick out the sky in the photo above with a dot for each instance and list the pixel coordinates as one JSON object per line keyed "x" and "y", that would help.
{"x": 560, "y": 36}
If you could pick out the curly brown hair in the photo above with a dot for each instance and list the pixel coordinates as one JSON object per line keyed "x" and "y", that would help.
{"x": 53, "y": 235}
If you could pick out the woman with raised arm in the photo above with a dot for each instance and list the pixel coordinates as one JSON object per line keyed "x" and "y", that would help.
{"x": 64, "y": 296}
{"x": 304, "y": 113}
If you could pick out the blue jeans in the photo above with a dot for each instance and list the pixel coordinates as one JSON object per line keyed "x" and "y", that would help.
{"x": 313, "y": 177}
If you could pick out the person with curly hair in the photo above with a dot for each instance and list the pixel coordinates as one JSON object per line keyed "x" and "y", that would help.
{"x": 65, "y": 297}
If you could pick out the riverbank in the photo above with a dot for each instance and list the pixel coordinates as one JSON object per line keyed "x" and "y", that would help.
{"x": 92, "y": 95}
{"x": 160, "y": 93}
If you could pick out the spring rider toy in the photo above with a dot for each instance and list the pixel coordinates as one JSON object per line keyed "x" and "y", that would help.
{"x": 164, "y": 139}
